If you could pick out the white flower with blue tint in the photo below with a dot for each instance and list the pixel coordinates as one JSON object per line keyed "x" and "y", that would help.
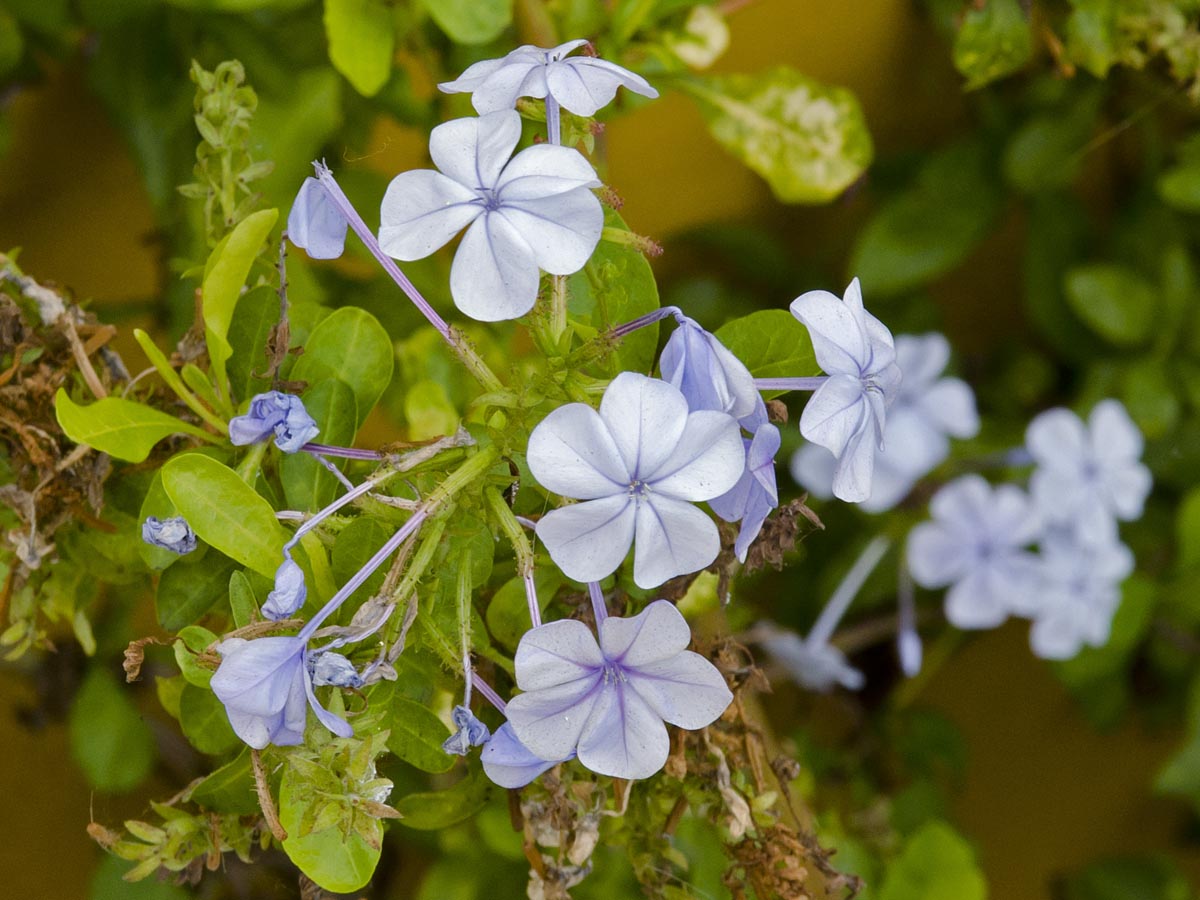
{"x": 847, "y": 413}
{"x": 267, "y": 690}
{"x": 289, "y": 592}
{"x": 315, "y": 224}
{"x": 639, "y": 465}
{"x": 707, "y": 374}
{"x": 814, "y": 665}
{"x": 509, "y": 763}
{"x": 581, "y": 84}
{"x": 1090, "y": 475}
{"x": 751, "y": 500}
{"x": 975, "y": 544}
{"x": 927, "y": 411}
{"x": 608, "y": 701}
{"x": 278, "y": 415}
{"x": 173, "y": 534}
{"x": 469, "y": 732}
{"x": 532, "y": 212}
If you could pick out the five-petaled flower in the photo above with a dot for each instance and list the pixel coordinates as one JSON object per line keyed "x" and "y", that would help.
{"x": 639, "y": 465}
{"x": 1088, "y": 475}
{"x": 608, "y": 701}
{"x": 533, "y": 211}
{"x": 276, "y": 414}
{"x": 846, "y": 414}
{"x": 581, "y": 84}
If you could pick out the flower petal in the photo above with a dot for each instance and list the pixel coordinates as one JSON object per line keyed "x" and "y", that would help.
{"x": 950, "y": 404}
{"x": 856, "y": 468}
{"x": 571, "y": 453}
{"x": 922, "y": 358}
{"x": 1114, "y": 437}
{"x": 979, "y": 600}
{"x": 524, "y": 77}
{"x": 936, "y": 556}
{"x": 838, "y": 341}
{"x": 556, "y": 653}
{"x": 334, "y": 723}
{"x": 494, "y": 276}
{"x": 256, "y": 675}
{"x": 473, "y": 76}
{"x": 315, "y": 224}
{"x": 549, "y": 721}
{"x": 509, "y": 763}
{"x": 589, "y": 540}
{"x": 421, "y": 211}
{"x": 657, "y": 633}
{"x": 707, "y": 460}
{"x": 646, "y": 418}
{"x": 673, "y": 538}
{"x": 686, "y": 690}
{"x": 474, "y": 151}
{"x": 1127, "y": 487}
{"x": 1056, "y": 438}
{"x": 562, "y": 230}
{"x": 835, "y": 413}
{"x": 812, "y": 466}
{"x": 623, "y": 738}
{"x": 544, "y": 170}
{"x": 585, "y": 84}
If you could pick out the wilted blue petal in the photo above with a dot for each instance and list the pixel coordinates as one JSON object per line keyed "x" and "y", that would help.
{"x": 173, "y": 534}
{"x": 469, "y": 732}
{"x": 278, "y": 414}
{"x": 289, "y": 591}
{"x": 332, "y": 669}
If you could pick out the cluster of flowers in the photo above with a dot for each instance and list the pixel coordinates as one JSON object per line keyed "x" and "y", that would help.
{"x": 635, "y": 467}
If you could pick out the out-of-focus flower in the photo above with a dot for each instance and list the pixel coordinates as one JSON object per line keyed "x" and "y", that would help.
{"x": 1090, "y": 475}
{"x": 581, "y": 84}
{"x": 533, "y": 211}
{"x": 974, "y": 543}
{"x": 289, "y": 592}
{"x": 315, "y": 224}
{"x": 751, "y": 500}
{"x": 846, "y": 414}
{"x": 173, "y": 534}
{"x": 608, "y": 700}
{"x": 278, "y": 415}
{"x": 816, "y": 666}
{"x": 469, "y": 732}
{"x": 639, "y": 465}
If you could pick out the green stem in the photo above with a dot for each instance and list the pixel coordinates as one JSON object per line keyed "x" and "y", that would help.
{"x": 248, "y": 468}
{"x": 175, "y": 383}
{"x": 511, "y": 528}
{"x": 558, "y": 308}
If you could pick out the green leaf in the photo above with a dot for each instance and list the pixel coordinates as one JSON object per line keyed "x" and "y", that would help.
{"x": 1092, "y": 35}
{"x": 471, "y": 21}
{"x": 808, "y": 140}
{"x": 351, "y": 345}
{"x": 616, "y": 286}
{"x": 772, "y": 344}
{"x": 308, "y": 485}
{"x": 361, "y": 41}
{"x": 428, "y": 411}
{"x": 242, "y": 601}
{"x": 291, "y": 128}
{"x": 230, "y": 789}
{"x": 204, "y": 721}
{"x": 417, "y": 736}
{"x": 1148, "y": 391}
{"x": 225, "y": 512}
{"x": 935, "y": 864}
{"x": 189, "y": 589}
{"x": 1130, "y": 878}
{"x": 436, "y": 810}
{"x": 1187, "y": 529}
{"x": 12, "y": 45}
{"x": 191, "y": 641}
{"x": 1114, "y": 301}
{"x": 1047, "y": 151}
{"x": 508, "y": 610}
{"x": 357, "y": 543}
{"x": 119, "y": 427}
{"x": 932, "y": 226}
{"x": 224, "y": 274}
{"x": 337, "y": 860}
{"x": 110, "y": 741}
{"x": 256, "y": 314}
{"x": 994, "y": 41}
{"x": 109, "y": 884}
{"x": 1179, "y": 187}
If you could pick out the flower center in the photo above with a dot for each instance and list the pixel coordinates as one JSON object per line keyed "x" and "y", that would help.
{"x": 614, "y": 674}
{"x": 491, "y": 201}
{"x": 638, "y": 489}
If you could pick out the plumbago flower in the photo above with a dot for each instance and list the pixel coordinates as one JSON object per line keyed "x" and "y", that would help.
{"x": 581, "y": 84}
{"x": 846, "y": 414}
{"x": 926, "y": 412}
{"x": 751, "y": 500}
{"x": 289, "y": 592}
{"x": 533, "y": 211}
{"x": 469, "y": 732}
{"x": 1089, "y": 475}
{"x": 974, "y": 544}
{"x": 708, "y": 375}
{"x": 639, "y": 465}
{"x": 315, "y": 224}
{"x": 173, "y": 534}
{"x": 608, "y": 701}
{"x": 276, "y": 414}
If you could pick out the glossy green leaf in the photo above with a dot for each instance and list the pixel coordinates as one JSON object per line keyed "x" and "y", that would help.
{"x": 308, "y": 485}
{"x": 337, "y": 861}
{"x": 361, "y": 40}
{"x": 257, "y": 312}
{"x": 225, "y": 511}
{"x": 224, "y": 275}
{"x": 995, "y": 39}
{"x": 508, "y": 610}
{"x": 935, "y": 864}
{"x": 121, "y": 428}
{"x": 471, "y": 21}
{"x": 417, "y": 736}
{"x": 1114, "y": 301}
{"x": 242, "y": 602}
{"x": 772, "y": 344}
{"x": 204, "y": 721}
{"x": 436, "y": 810}
{"x": 428, "y": 411}
{"x": 189, "y": 589}
{"x": 807, "y": 139}
{"x": 109, "y": 739}
{"x": 230, "y": 789}
{"x": 352, "y": 346}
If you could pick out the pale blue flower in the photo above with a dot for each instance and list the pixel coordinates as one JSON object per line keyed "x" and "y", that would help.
{"x": 469, "y": 732}
{"x": 289, "y": 592}
{"x": 582, "y": 84}
{"x": 639, "y": 464}
{"x": 1088, "y": 474}
{"x": 707, "y": 374}
{"x": 509, "y": 763}
{"x": 531, "y": 212}
{"x": 266, "y": 689}
{"x": 608, "y": 701}
{"x": 974, "y": 544}
{"x": 751, "y": 500}
{"x": 817, "y": 666}
{"x": 315, "y": 224}
{"x": 847, "y": 413}
{"x": 278, "y": 415}
{"x": 173, "y": 534}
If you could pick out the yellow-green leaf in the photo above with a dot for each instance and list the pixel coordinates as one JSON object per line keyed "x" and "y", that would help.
{"x": 119, "y": 427}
